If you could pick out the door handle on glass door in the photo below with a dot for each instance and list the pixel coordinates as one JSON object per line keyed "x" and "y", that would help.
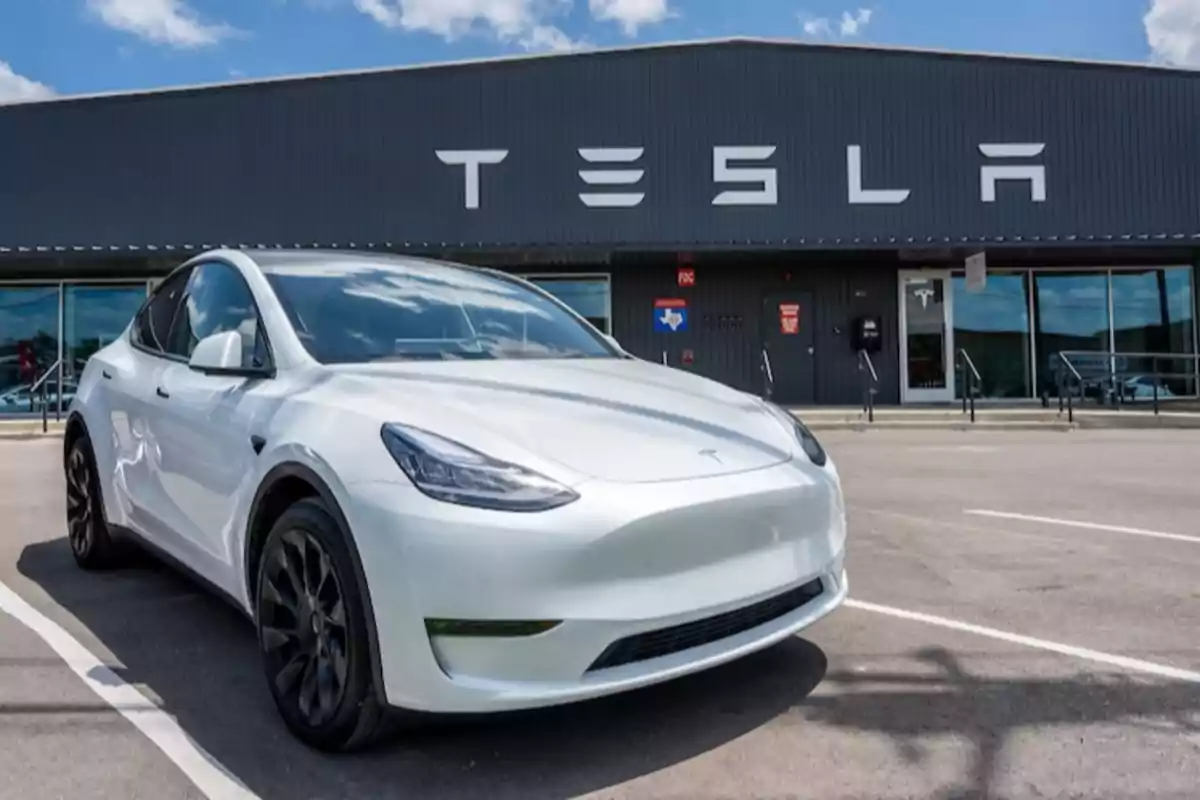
{"x": 162, "y": 393}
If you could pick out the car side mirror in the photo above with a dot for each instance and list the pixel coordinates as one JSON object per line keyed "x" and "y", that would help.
{"x": 220, "y": 354}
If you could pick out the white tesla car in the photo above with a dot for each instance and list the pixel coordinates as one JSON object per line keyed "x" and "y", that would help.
{"x": 437, "y": 488}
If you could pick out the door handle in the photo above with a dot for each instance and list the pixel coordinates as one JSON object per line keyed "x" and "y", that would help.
{"x": 163, "y": 393}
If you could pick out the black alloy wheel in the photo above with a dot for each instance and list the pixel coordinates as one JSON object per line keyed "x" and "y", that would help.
{"x": 312, "y": 632}
{"x": 304, "y": 630}
{"x": 87, "y": 531}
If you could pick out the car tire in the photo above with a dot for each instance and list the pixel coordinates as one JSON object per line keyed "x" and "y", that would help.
{"x": 87, "y": 529}
{"x": 312, "y": 632}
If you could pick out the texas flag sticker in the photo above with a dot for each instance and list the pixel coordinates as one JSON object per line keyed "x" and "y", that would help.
{"x": 670, "y": 315}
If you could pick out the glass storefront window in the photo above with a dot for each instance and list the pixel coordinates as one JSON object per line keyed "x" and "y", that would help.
{"x": 589, "y": 296}
{"x": 1070, "y": 314}
{"x": 94, "y": 316}
{"x": 992, "y": 326}
{"x": 28, "y": 341}
{"x": 1153, "y": 313}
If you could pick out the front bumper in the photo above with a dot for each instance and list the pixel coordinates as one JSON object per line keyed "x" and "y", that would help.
{"x": 625, "y": 561}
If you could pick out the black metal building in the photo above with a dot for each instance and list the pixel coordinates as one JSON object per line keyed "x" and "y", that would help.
{"x": 706, "y": 203}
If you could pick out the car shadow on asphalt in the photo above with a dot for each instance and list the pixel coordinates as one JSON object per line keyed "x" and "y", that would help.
{"x": 197, "y": 656}
{"x": 911, "y": 707}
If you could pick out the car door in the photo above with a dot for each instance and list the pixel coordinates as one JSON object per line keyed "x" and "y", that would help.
{"x": 205, "y": 423}
{"x": 129, "y": 386}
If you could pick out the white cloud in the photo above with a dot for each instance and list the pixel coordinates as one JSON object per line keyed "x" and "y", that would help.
{"x": 1173, "y": 31}
{"x": 818, "y": 26}
{"x": 853, "y": 23}
{"x": 548, "y": 37}
{"x": 630, "y": 14}
{"x": 850, "y": 25}
{"x": 169, "y": 22}
{"x": 16, "y": 88}
{"x": 523, "y": 22}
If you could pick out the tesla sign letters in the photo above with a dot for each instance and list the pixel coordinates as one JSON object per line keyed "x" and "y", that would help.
{"x": 614, "y": 177}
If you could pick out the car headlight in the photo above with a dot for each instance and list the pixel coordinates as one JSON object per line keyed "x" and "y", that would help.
{"x": 448, "y": 471}
{"x": 808, "y": 443}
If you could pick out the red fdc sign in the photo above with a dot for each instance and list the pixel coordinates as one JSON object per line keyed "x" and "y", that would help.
{"x": 789, "y": 318}
{"x": 687, "y": 276}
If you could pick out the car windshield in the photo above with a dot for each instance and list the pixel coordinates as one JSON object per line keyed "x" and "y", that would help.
{"x": 363, "y": 311}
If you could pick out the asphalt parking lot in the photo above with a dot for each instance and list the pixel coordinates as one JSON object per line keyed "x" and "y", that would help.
{"x": 1022, "y": 625}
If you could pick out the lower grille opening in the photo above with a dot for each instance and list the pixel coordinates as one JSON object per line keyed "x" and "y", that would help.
{"x": 663, "y": 642}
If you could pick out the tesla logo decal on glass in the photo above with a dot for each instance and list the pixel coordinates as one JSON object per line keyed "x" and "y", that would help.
{"x": 924, "y": 294}
{"x": 713, "y": 455}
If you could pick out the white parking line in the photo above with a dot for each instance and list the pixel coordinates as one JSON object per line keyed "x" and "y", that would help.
{"x": 1095, "y": 526}
{"x": 159, "y": 727}
{"x": 1131, "y": 664}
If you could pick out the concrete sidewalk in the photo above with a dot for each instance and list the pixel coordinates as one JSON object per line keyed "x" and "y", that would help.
{"x": 993, "y": 417}
{"x": 30, "y": 428}
{"x": 987, "y": 417}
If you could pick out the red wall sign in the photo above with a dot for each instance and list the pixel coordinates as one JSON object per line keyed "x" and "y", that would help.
{"x": 687, "y": 276}
{"x": 789, "y": 318}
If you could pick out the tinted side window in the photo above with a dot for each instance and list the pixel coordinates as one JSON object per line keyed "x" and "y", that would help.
{"x": 153, "y": 323}
{"x": 218, "y": 300}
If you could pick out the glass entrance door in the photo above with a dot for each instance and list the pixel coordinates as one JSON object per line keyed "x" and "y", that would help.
{"x": 926, "y": 338}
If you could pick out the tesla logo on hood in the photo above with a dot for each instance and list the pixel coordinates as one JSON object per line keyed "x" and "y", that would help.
{"x": 712, "y": 454}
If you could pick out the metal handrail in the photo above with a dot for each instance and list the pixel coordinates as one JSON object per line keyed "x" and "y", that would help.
{"x": 768, "y": 374}
{"x": 868, "y": 386}
{"x": 1112, "y": 375}
{"x": 1063, "y": 384}
{"x": 1063, "y": 357}
{"x": 1111, "y": 354}
{"x": 40, "y": 383}
{"x": 970, "y": 381}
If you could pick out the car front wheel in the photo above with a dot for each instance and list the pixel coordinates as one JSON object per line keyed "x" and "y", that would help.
{"x": 312, "y": 631}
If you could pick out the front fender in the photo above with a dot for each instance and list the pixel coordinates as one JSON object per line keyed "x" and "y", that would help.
{"x": 285, "y": 460}
{"x": 296, "y": 461}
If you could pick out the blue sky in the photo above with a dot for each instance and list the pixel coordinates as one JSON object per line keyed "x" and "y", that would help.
{"x": 83, "y": 46}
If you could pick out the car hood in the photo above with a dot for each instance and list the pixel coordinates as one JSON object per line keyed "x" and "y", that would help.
{"x": 613, "y": 419}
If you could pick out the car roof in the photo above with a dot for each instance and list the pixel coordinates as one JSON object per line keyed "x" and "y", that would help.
{"x": 268, "y": 260}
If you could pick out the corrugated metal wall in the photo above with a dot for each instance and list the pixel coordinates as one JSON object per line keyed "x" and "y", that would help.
{"x": 354, "y": 158}
{"x": 726, "y": 311}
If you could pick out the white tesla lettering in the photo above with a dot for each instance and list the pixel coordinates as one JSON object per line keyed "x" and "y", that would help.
{"x": 615, "y": 175}
{"x": 611, "y": 177}
{"x": 1035, "y": 174}
{"x": 470, "y": 161}
{"x": 767, "y": 177}
{"x": 861, "y": 196}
